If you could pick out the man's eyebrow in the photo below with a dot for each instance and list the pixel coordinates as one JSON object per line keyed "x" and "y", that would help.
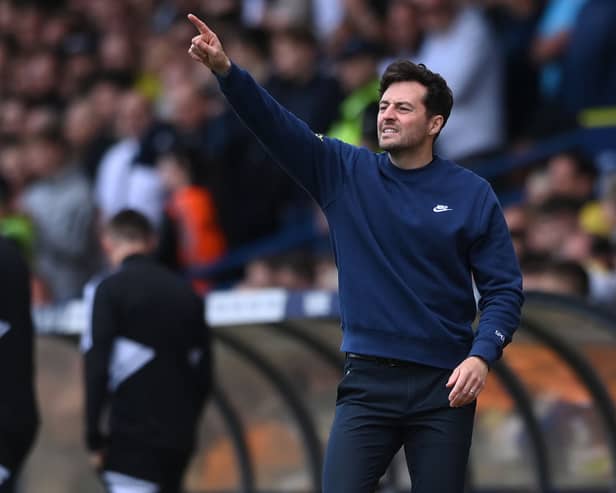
{"x": 397, "y": 103}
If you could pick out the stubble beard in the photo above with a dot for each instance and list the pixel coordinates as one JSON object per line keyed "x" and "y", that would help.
{"x": 400, "y": 146}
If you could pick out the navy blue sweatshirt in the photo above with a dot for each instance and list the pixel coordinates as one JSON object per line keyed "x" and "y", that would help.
{"x": 407, "y": 243}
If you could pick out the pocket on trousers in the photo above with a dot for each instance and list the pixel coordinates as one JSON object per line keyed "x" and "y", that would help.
{"x": 344, "y": 386}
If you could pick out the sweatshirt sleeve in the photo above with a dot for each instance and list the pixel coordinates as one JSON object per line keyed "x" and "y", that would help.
{"x": 312, "y": 160}
{"x": 97, "y": 365}
{"x": 499, "y": 282}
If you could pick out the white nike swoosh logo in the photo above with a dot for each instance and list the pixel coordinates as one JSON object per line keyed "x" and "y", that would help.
{"x": 441, "y": 209}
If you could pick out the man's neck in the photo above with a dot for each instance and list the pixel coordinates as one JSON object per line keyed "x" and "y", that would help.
{"x": 412, "y": 158}
{"x": 125, "y": 250}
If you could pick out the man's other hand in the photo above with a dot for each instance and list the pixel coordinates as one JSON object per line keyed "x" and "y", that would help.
{"x": 467, "y": 380}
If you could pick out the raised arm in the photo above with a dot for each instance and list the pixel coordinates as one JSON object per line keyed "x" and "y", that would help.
{"x": 314, "y": 161}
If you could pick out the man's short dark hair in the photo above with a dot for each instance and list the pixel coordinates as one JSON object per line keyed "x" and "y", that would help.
{"x": 130, "y": 225}
{"x": 438, "y": 99}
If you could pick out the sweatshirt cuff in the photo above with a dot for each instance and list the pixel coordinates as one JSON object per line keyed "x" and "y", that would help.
{"x": 486, "y": 350}
{"x": 225, "y": 80}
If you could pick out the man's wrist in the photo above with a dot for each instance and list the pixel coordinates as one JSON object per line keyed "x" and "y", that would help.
{"x": 225, "y": 71}
{"x": 482, "y": 359}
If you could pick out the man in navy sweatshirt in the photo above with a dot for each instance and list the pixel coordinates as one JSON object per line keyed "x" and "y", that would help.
{"x": 410, "y": 232}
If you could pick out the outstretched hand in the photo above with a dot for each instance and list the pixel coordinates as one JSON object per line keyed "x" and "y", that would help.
{"x": 467, "y": 380}
{"x": 207, "y": 48}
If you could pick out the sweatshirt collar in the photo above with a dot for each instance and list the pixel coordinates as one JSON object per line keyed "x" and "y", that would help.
{"x": 411, "y": 174}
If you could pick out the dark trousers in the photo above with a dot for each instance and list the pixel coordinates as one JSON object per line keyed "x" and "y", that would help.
{"x": 8, "y": 485}
{"x": 381, "y": 408}
{"x": 14, "y": 448}
{"x": 144, "y": 464}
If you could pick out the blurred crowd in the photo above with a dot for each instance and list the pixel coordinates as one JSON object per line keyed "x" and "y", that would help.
{"x": 102, "y": 109}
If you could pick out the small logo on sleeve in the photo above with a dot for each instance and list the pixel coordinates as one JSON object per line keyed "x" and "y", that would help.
{"x": 319, "y": 136}
{"x": 500, "y": 335}
{"x": 441, "y": 208}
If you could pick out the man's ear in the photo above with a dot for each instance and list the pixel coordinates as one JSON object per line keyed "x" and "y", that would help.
{"x": 435, "y": 124}
{"x": 106, "y": 242}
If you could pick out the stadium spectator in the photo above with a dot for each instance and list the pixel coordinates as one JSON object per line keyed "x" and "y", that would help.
{"x": 402, "y": 34}
{"x": 565, "y": 277}
{"x": 12, "y": 118}
{"x": 551, "y": 42}
{"x": 13, "y": 169}
{"x": 86, "y": 138}
{"x": 515, "y": 23}
{"x": 285, "y": 14}
{"x": 356, "y": 66}
{"x": 13, "y": 225}
{"x": 41, "y": 119}
{"x": 571, "y": 174}
{"x": 589, "y": 68}
{"x": 123, "y": 180}
{"x": 80, "y": 57}
{"x": 327, "y": 16}
{"x": 118, "y": 58}
{"x": 250, "y": 48}
{"x": 459, "y": 44}
{"x": 293, "y": 270}
{"x": 18, "y": 412}
{"x": 363, "y": 18}
{"x": 148, "y": 357}
{"x": 60, "y": 204}
{"x": 297, "y": 81}
{"x": 550, "y": 224}
{"x": 39, "y": 79}
{"x": 191, "y": 236}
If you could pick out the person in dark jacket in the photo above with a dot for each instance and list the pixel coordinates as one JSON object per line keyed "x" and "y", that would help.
{"x": 147, "y": 355}
{"x": 411, "y": 233}
{"x": 18, "y": 410}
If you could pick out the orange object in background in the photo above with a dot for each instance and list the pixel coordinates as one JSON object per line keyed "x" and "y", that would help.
{"x": 199, "y": 238}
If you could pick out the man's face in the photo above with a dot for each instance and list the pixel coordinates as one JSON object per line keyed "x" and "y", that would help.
{"x": 403, "y": 122}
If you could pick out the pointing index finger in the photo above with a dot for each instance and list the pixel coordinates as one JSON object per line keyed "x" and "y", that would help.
{"x": 199, "y": 24}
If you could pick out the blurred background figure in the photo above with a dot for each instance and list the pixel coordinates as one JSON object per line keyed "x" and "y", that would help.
{"x": 402, "y": 35}
{"x": 59, "y": 202}
{"x": 551, "y": 42}
{"x": 558, "y": 277}
{"x": 459, "y": 44}
{"x": 148, "y": 358}
{"x": 588, "y": 75}
{"x": 356, "y": 66}
{"x": 124, "y": 177}
{"x": 521, "y": 71}
{"x": 18, "y": 412}
{"x": 298, "y": 82}
{"x": 14, "y": 225}
{"x": 190, "y": 236}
